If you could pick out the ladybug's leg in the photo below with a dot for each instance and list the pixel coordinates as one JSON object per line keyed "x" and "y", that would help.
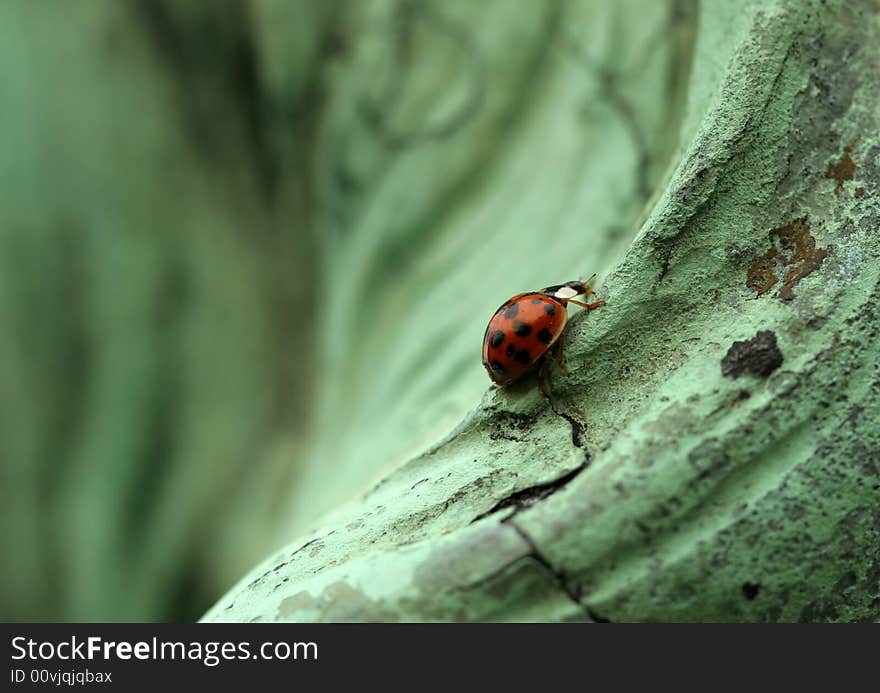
{"x": 541, "y": 375}
{"x": 558, "y": 347}
{"x": 588, "y": 306}
{"x": 541, "y": 387}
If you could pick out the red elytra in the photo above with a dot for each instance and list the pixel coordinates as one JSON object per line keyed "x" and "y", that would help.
{"x": 526, "y": 326}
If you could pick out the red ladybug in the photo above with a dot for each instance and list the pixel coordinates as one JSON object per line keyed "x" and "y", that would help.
{"x": 526, "y": 327}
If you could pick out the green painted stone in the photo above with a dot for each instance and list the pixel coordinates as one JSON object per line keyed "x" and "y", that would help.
{"x": 701, "y": 479}
{"x": 248, "y": 252}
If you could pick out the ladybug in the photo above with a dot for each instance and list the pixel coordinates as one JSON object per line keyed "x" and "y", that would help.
{"x": 526, "y": 327}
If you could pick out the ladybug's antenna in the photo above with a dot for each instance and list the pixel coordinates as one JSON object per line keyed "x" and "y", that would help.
{"x": 592, "y": 277}
{"x": 587, "y": 291}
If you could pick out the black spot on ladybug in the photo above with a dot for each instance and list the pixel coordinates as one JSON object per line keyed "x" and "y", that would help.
{"x": 511, "y": 347}
{"x": 537, "y": 300}
{"x": 523, "y": 356}
{"x": 550, "y": 309}
{"x": 512, "y": 311}
{"x": 545, "y": 336}
{"x": 521, "y": 329}
{"x": 497, "y": 338}
{"x": 497, "y": 367}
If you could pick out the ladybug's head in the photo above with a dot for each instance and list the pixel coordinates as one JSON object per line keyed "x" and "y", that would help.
{"x": 563, "y": 292}
{"x": 578, "y": 287}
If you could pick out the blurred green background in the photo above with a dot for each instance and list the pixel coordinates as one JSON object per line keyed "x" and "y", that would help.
{"x": 248, "y": 249}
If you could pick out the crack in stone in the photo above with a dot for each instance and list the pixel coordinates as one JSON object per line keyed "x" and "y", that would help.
{"x": 524, "y": 498}
{"x": 536, "y": 554}
{"x": 572, "y": 593}
{"x": 578, "y": 429}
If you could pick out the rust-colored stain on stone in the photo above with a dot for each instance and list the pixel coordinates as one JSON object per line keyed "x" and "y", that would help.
{"x": 762, "y": 272}
{"x": 841, "y": 170}
{"x": 792, "y": 256}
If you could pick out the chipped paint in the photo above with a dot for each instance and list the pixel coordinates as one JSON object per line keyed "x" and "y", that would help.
{"x": 792, "y": 256}
{"x": 842, "y": 170}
